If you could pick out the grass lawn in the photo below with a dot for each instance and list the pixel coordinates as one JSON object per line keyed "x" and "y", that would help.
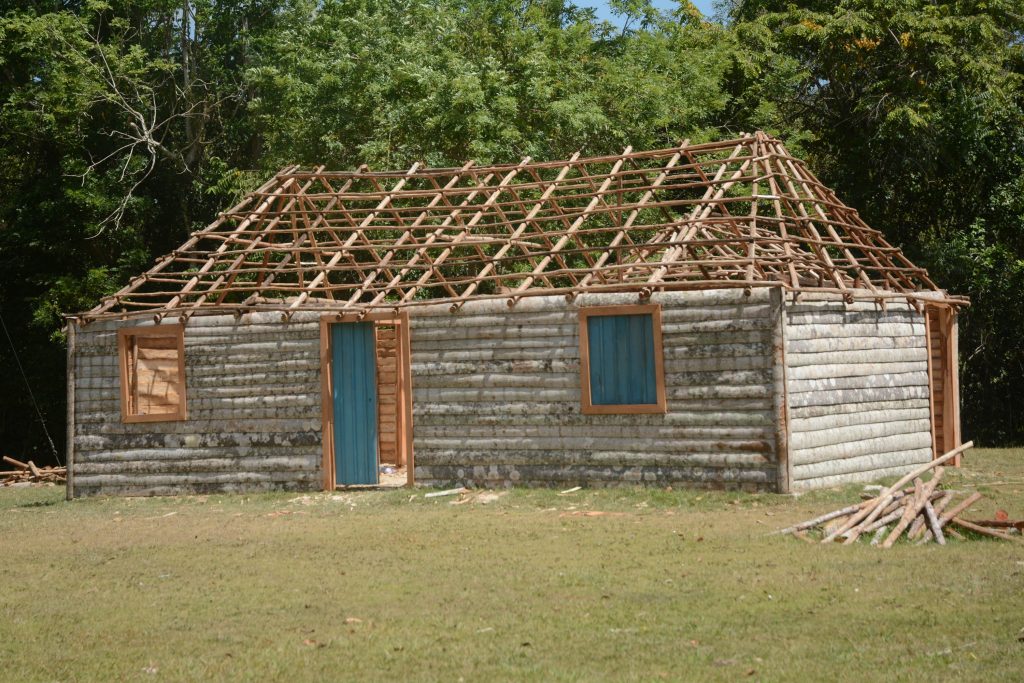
{"x": 520, "y": 585}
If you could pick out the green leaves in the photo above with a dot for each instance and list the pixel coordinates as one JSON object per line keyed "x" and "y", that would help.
{"x": 911, "y": 109}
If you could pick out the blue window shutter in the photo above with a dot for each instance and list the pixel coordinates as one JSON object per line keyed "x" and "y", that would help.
{"x": 622, "y": 367}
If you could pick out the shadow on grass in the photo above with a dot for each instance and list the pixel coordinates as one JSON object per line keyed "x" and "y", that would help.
{"x": 40, "y": 503}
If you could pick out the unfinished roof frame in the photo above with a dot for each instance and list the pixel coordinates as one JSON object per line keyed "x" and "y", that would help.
{"x": 737, "y": 213}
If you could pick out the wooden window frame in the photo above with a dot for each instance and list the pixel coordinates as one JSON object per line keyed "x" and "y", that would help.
{"x": 124, "y": 337}
{"x": 588, "y": 408}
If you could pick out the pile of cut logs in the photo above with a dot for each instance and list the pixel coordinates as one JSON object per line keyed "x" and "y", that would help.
{"x": 28, "y": 473}
{"x": 922, "y": 512}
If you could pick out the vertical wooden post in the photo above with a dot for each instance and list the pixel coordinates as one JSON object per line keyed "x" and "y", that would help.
{"x": 326, "y": 404}
{"x": 69, "y": 449}
{"x": 780, "y": 394}
{"x": 953, "y": 379}
{"x": 405, "y": 366}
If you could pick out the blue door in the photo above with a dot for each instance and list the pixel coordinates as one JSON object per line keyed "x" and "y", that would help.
{"x": 354, "y": 392}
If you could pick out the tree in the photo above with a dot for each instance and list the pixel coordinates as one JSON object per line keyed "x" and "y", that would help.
{"x": 914, "y": 112}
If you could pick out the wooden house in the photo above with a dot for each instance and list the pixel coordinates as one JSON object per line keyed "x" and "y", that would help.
{"x": 708, "y": 315}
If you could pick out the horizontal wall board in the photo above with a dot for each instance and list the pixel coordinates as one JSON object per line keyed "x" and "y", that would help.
{"x": 556, "y": 414}
{"x": 875, "y": 381}
{"x": 681, "y": 433}
{"x": 803, "y": 332}
{"x": 813, "y": 411}
{"x": 853, "y": 433}
{"x": 843, "y": 450}
{"x": 853, "y": 477}
{"x": 747, "y": 479}
{"x": 185, "y": 465}
{"x": 832, "y": 344}
{"x": 904, "y": 459}
{"x": 146, "y": 480}
{"x": 146, "y": 444}
{"x": 854, "y": 357}
{"x": 828, "y": 422}
{"x": 867, "y": 395}
{"x": 498, "y": 331}
{"x": 196, "y": 489}
{"x": 719, "y": 461}
{"x": 825, "y": 370}
{"x": 591, "y": 444}
{"x": 106, "y": 423}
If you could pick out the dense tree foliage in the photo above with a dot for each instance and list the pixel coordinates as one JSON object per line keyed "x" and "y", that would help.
{"x": 128, "y": 123}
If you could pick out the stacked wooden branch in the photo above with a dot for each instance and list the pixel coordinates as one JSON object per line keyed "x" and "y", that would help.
{"x": 922, "y": 512}
{"x": 29, "y": 473}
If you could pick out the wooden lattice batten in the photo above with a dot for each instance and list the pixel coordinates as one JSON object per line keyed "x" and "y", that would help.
{"x": 736, "y": 213}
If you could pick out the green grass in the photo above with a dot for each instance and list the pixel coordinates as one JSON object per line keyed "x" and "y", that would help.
{"x": 669, "y": 585}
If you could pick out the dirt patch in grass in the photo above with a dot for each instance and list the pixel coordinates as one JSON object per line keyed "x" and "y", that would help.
{"x": 621, "y": 584}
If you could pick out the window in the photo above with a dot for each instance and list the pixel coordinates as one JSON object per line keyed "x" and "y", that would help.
{"x": 621, "y": 360}
{"x": 152, "y": 373}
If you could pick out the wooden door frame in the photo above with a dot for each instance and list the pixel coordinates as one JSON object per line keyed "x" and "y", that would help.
{"x": 404, "y": 437}
{"x": 949, "y": 337}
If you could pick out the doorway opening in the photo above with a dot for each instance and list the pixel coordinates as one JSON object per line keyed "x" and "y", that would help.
{"x": 366, "y": 400}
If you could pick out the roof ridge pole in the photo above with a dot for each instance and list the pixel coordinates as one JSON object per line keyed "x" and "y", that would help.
{"x": 633, "y": 215}
{"x": 370, "y": 217}
{"x": 539, "y": 268}
{"x": 453, "y": 214}
{"x": 496, "y": 192}
{"x": 689, "y": 227}
{"x": 164, "y": 261}
{"x": 516, "y": 234}
{"x": 407, "y": 235}
{"x": 273, "y": 272}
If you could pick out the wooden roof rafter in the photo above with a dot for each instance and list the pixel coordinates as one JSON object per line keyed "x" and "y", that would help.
{"x": 734, "y": 213}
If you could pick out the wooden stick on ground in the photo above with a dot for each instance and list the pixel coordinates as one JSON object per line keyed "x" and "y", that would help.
{"x": 823, "y": 518}
{"x": 957, "y": 509}
{"x": 983, "y": 530}
{"x": 933, "y": 523}
{"x": 940, "y": 505}
{"x": 909, "y": 512}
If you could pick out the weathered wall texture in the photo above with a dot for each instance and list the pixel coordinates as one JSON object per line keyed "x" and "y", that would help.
{"x": 496, "y": 396}
{"x": 858, "y": 391}
{"x": 253, "y": 397}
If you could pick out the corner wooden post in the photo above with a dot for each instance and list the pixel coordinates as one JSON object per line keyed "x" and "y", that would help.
{"x": 69, "y": 449}
{"x": 780, "y": 395}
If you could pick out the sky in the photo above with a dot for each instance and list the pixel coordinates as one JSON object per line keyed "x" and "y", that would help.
{"x": 705, "y": 6}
